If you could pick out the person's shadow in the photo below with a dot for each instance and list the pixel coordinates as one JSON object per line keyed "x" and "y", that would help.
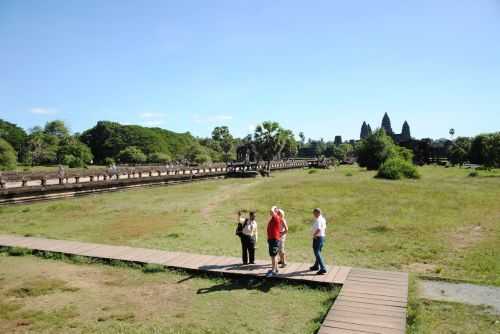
{"x": 246, "y": 283}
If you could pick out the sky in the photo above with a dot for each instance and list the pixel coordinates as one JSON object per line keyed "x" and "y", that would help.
{"x": 321, "y": 67}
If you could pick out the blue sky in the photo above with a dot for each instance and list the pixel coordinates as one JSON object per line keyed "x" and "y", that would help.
{"x": 322, "y": 67}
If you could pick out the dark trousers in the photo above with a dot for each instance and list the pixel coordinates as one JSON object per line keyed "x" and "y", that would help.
{"x": 317, "y": 247}
{"x": 247, "y": 249}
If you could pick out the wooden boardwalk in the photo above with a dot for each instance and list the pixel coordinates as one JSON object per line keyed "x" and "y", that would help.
{"x": 370, "y": 301}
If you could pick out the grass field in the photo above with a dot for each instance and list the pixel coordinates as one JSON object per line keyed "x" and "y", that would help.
{"x": 444, "y": 225}
{"x": 48, "y": 296}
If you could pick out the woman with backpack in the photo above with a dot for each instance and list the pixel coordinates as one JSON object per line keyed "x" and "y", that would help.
{"x": 247, "y": 231}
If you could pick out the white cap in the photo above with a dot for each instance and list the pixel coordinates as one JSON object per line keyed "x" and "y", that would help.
{"x": 273, "y": 208}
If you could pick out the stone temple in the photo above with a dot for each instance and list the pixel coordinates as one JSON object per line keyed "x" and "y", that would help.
{"x": 404, "y": 136}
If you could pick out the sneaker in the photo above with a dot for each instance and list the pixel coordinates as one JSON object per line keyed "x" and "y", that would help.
{"x": 321, "y": 272}
{"x": 313, "y": 268}
{"x": 252, "y": 262}
{"x": 276, "y": 272}
{"x": 269, "y": 273}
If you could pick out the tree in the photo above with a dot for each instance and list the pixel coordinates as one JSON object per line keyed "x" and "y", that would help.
{"x": 290, "y": 146}
{"x": 405, "y": 132}
{"x": 74, "y": 153}
{"x": 369, "y": 129}
{"x": 107, "y": 139}
{"x": 56, "y": 128}
{"x": 158, "y": 157}
{"x": 269, "y": 141}
{"x": 132, "y": 154}
{"x": 7, "y": 156}
{"x": 386, "y": 124}
{"x": 42, "y": 147}
{"x": 375, "y": 149}
{"x": 339, "y": 152}
{"x": 15, "y": 136}
{"x": 338, "y": 140}
{"x": 459, "y": 151}
{"x": 198, "y": 154}
{"x": 302, "y": 138}
{"x": 225, "y": 140}
{"x": 485, "y": 150}
{"x": 364, "y": 131}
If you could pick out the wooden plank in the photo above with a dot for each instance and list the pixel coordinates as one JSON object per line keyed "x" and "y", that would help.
{"x": 387, "y": 291}
{"x": 365, "y": 306}
{"x": 342, "y": 275}
{"x": 374, "y": 296}
{"x": 331, "y": 273}
{"x": 372, "y": 311}
{"x": 362, "y": 328}
{"x": 371, "y": 301}
{"x": 366, "y": 319}
{"x": 330, "y": 330}
{"x": 372, "y": 280}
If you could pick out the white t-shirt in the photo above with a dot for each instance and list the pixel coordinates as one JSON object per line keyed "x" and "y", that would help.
{"x": 319, "y": 224}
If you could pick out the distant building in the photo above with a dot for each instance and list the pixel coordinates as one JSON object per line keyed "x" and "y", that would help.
{"x": 404, "y": 136}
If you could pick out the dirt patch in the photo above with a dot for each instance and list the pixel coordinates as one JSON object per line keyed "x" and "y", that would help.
{"x": 96, "y": 293}
{"x": 461, "y": 293}
{"x": 224, "y": 193}
{"x": 467, "y": 236}
{"x": 422, "y": 268}
{"x": 130, "y": 224}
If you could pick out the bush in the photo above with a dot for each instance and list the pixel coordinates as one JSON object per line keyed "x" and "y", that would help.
{"x": 18, "y": 251}
{"x": 158, "y": 157}
{"x": 153, "y": 268}
{"x": 74, "y": 153}
{"x": 109, "y": 161}
{"x": 397, "y": 168}
{"x": 7, "y": 156}
{"x": 132, "y": 154}
{"x": 375, "y": 149}
{"x": 473, "y": 174}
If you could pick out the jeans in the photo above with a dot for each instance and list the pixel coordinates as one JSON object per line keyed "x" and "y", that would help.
{"x": 247, "y": 249}
{"x": 317, "y": 247}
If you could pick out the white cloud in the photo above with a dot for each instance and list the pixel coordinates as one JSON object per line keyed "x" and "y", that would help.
{"x": 153, "y": 123}
{"x": 251, "y": 128}
{"x": 43, "y": 111}
{"x": 149, "y": 115}
{"x": 152, "y": 119}
{"x": 212, "y": 119}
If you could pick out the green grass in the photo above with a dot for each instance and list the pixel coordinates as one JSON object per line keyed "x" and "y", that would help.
{"x": 445, "y": 224}
{"x": 108, "y": 299}
{"x": 452, "y": 318}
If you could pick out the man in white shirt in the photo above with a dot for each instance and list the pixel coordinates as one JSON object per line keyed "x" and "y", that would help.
{"x": 318, "y": 234}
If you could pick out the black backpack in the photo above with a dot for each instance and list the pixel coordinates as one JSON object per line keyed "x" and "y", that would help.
{"x": 239, "y": 228}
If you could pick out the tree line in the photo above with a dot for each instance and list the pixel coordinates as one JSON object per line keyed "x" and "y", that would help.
{"x": 111, "y": 142}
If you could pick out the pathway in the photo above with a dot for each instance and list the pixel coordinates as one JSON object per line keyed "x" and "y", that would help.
{"x": 370, "y": 301}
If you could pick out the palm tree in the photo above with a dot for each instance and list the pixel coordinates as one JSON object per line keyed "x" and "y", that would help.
{"x": 270, "y": 140}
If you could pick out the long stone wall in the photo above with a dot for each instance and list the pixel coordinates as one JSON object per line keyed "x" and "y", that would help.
{"x": 24, "y": 187}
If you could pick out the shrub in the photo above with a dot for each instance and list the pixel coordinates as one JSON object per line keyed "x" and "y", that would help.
{"x": 397, "y": 168}
{"x": 348, "y": 174}
{"x": 132, "y": 154}
{"x": 473, "y": 174}
{"x": 153, "y": 268}
{"x": 109, "y": 161}
{"x": 7, "y": 156}
{"x": 158, "y": 157}
{"x": 18, "y": 251}
{"x": 312, "y": 171}
{"x": 375, "y": 149}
